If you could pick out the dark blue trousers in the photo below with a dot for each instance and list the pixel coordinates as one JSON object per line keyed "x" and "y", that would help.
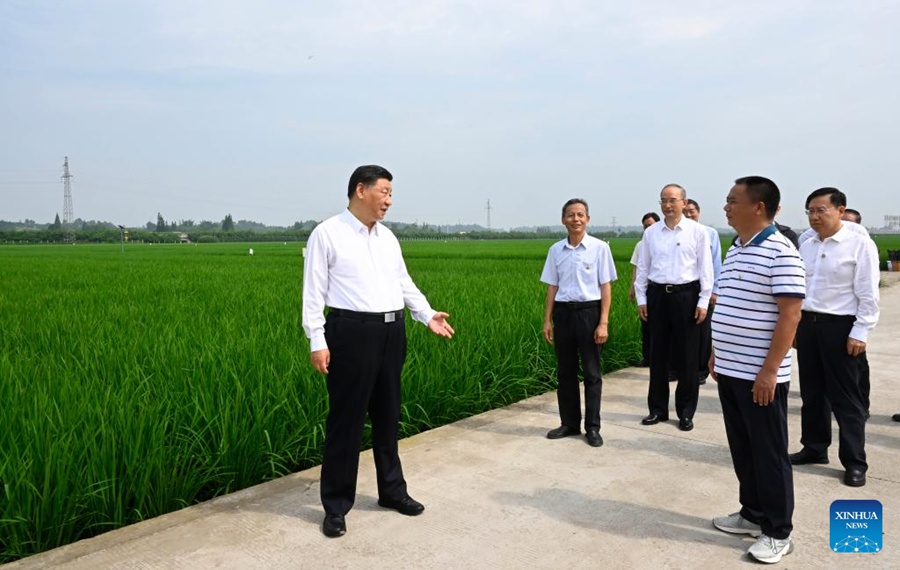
{"x": 758, "y": 440}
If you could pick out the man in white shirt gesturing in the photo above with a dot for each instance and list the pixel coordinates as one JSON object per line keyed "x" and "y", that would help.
{"x": 355, "y": 267}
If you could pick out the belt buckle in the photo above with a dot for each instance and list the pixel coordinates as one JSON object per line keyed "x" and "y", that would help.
{"x": 390, "y": 317}
{"x": 668, "y": 288}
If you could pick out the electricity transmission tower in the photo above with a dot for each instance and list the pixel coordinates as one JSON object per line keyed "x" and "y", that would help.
{"x": 68, "y": 209}
{"x": 488, "y": 208}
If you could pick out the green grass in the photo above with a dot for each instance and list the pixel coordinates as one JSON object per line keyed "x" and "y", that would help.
{"x": 140, "y": 383}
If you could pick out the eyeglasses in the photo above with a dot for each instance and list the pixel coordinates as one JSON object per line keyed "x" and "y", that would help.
{"x": 818, "y": 211}
{"x": 665, "y": 201}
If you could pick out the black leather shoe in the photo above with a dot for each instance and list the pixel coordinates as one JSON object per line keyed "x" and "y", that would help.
{"x": 654, "y": 419}
{"x": 805, "y": 456}
{"x": 334, "y": 526}
{"x": 593, "y": 437}
{"x": 405, "y": 506}
{"x": 855, "y": 478}
{"x": 896, "y": 417}
{"x": 562, "y": 431}
{"x": 685, "y": 424}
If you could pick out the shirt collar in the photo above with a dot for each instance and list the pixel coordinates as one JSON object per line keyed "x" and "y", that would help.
{"x": 761, "y": 236}
{"x": 356, "y": 225}
{"x": 680, "y": 225}
{"x": 839, "y": 236}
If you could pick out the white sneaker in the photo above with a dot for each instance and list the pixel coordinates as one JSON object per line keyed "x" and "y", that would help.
{"x": 770, "y": 550}
{"x": 736, "y": 524}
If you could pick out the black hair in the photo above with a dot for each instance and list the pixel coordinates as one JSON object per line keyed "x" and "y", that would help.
{"x": 367, "y": 175}
{"x": 761, "y": 189}
{"x": 835, "y": 196}
{"x": 653, "y": 215}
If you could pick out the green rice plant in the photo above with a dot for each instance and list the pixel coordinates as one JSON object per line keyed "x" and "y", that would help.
{"x": 138, "y": 383}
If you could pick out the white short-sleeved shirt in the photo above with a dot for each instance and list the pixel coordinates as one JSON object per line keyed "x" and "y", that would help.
{"x": 579, "y": 271}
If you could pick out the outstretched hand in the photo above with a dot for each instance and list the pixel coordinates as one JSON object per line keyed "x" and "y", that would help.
{"x": 439, "y": 325}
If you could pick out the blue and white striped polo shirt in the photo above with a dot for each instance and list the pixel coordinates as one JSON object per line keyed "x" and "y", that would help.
{"x": 746, "y": 310}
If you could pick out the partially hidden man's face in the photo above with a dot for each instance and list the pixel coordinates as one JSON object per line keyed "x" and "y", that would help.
{"x": 691, "y": 212}
{"x": 575, "y": 218}
{"x": 376, "y": 198}
{"x": 647, "y": 222}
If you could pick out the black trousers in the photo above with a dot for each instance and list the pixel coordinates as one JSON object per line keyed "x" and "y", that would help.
{"x": 363, "y": 376}
{"x": 573, "y": 337}
{"x": 829, "y": 383}
{"x": 645, "y": 342}
{"x": 706, "y": 342}
{"x": 865, "y": 386}
{"x": 758, "y": 441}
{"x": 675, "y": 345}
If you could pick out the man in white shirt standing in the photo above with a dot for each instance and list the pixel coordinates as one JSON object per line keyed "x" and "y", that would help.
{"x": 840, "y": 308}
{"x": 355, "y": 267}
{"x": 692, "y": 211}
{"x": 578, "y": 272}
{"x": 673, "y": 285}
{"x": 648, "y": 220}
{"x": 853, "y": 222}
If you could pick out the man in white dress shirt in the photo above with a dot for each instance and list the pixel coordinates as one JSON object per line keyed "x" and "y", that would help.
{"x": 648, "y": 220}
{"x": 354, "y": 267}
{"x": 673, "y": 285}
{"x": 692, "y": 211}
{"x": 853, "y": 221}
{"x": 840, "y": 308}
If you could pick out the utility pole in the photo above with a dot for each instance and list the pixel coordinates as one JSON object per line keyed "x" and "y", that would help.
{"x": 614, "y": 225}
{"x": 488, "y": 208}
{"x": 68, "y": 209}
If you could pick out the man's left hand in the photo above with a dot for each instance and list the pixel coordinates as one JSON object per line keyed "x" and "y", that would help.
{"x": 439, "y": 325}
{"x": 699, "y": 315}
{"x": 855, "y": 347}
{"x": 764, "y": 388}
{"x": 600, "y": 334}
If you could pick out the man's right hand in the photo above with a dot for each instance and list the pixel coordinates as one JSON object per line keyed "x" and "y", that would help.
{"x": 548, "y": 331}
{"x": 320, "y": 360}
{"x": 642, "y": 312}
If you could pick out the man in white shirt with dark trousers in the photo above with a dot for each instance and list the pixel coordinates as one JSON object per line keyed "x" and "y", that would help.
{"x": 673, "y": 286}
{"x": 354, "y": 267}
{"x": 579, "y": 271}
{"x": 840, "y": 308}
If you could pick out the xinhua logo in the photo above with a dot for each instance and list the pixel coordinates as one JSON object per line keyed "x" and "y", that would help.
{"x": 856, "y": 526}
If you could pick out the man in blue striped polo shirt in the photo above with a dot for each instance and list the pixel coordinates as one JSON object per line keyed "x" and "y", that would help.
{"x": 760, "y": 290}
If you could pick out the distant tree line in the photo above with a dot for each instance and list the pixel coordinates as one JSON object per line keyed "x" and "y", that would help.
{"x": 229, "y": 230}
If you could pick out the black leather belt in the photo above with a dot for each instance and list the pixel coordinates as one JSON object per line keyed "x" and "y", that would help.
{"x": 668, "y": 288}
{"x": 388, "y": 317}
{"x": 577, "y": 304}
{"x": 814, "y": 317}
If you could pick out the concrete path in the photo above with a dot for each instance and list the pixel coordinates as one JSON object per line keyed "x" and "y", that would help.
{"x": 498, "y": 494}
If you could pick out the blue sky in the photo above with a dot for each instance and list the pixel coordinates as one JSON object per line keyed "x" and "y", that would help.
{"x": 198, "y": 109}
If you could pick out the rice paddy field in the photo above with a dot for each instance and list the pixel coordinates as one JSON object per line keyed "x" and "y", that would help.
{"x": 137, "y": 382}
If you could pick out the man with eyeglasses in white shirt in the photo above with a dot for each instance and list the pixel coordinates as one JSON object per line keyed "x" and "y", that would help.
{"x": 840, "y": 308}
{"x": 354, "y": 267}
{"x": 673, "y": 285}
{"x": 853, "y": 222}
